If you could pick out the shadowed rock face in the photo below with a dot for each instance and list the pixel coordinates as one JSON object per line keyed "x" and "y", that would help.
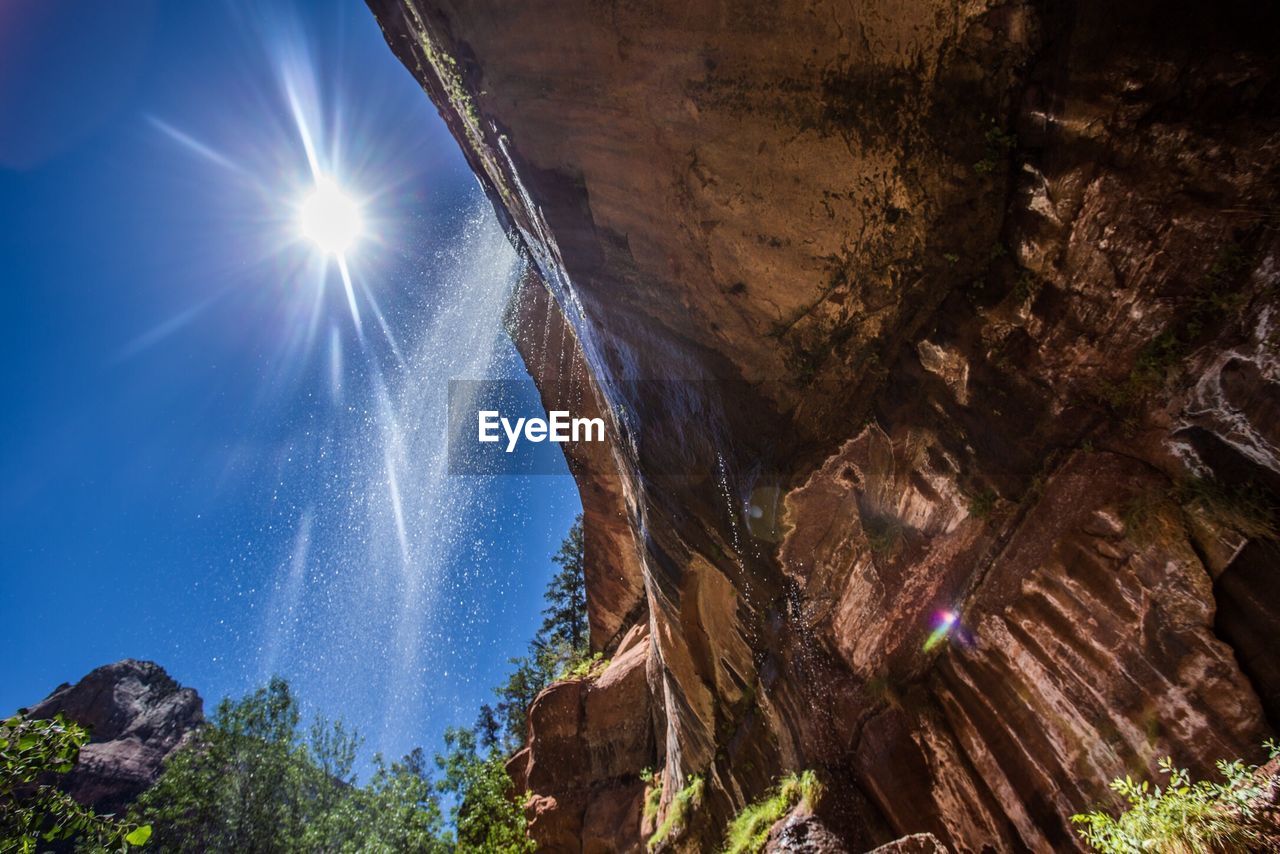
{"x": 136, "y": 716}
{"x": 896, "y": 308}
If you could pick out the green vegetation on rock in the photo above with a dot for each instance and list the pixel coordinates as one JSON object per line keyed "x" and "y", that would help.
{"x": 681, "y": 808}
{"x": 1184, "y": 817}
{"x": 652, "y": 793}
{"x": 1219, "y": 295}
{"x": 749, "y": 830}
{"x": 1247, "y": 507}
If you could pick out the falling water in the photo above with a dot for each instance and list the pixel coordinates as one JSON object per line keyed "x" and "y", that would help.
{"x": 354, "y": 611}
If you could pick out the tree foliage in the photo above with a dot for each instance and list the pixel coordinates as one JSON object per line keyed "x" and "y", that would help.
{"x": 486, "y": 817}
{"x": 565, "y": 617}
{"x": 33, "y": 811}
{"x": 559, "y": 646}
{"x": 250, "y": 782}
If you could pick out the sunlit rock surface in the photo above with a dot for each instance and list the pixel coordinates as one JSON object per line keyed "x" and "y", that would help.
{"x": 895, "y": 308}
{"x": 136, "y": 715}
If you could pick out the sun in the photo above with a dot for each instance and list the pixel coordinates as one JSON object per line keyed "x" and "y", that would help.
{"x": 330, "y": 218}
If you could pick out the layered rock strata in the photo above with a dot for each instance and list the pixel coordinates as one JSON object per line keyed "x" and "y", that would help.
{"x": 939, "y": 348}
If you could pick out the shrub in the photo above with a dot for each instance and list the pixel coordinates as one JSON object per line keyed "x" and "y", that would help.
{"x": 1184, "y": 817}
{"x": 1247, "y": 507}
{"x": 884, "y": 534}
{"x": 485, "y": 816}
{"x": 587, "y": 667}
{"x": 33, "y": 812}
{"x": 748, "y": 832}
{"x": 652, "y": 793}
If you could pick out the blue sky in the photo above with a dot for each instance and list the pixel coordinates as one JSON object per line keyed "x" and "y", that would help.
{"x": 206, "y": 458}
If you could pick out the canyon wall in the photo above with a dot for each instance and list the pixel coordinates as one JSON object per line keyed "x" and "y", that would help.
{"x": 939, "y": 348}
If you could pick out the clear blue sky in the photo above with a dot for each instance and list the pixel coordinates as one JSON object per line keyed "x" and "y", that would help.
{"x": 205, "y": 459}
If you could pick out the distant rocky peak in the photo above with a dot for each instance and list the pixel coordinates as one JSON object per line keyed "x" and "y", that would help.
{"x": 136, "y": 715}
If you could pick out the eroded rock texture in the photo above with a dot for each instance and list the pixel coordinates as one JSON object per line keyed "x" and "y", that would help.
{"x": 136, "y": 715}
{"x": 894, "y": 308}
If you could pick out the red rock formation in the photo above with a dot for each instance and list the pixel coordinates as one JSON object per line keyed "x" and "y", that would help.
{"x": 136, "y": 716}
{"x": 916, "y": 843}
{"x": 896, "y": 307}
{"x": 588, "y": 740}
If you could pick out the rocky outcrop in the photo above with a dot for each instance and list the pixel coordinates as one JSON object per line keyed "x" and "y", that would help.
{"x": 938, "y": 346}
{"x": 803, "y": 834}
{"x": 589, "y": 740}
{"x": 136, "y": 715}
{"x": 916, "y": 843}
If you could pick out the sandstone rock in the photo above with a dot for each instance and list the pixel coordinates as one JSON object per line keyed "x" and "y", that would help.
{"x": 589, "y": 739}
{"x": 916, "y": 843}
{"x": 803, "y": 834}
{"x": 136, "y": 715}
{"x": 556, "y": 823}
{"x": 612, "y": 819}
{"x": 979, "y": 293}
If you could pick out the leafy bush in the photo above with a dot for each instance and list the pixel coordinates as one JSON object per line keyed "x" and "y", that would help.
{"x": 485, "y": 817}
{"x": 1216, "y": 297}
{"x": 33, "y": 812}
{"x": 1246, "y": 506}
{"x": 1184, "y": 817}
{"x": 982, "y": 503}
{"x": 250, "y": 782}
{"x": 884, "y": 534}
{"x": 588, "y": 667}
{"x": 677, "y": 818}
{"x": 748, "y": 832}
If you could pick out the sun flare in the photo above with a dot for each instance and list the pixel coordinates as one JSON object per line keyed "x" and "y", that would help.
{"x": 330, "y": 218}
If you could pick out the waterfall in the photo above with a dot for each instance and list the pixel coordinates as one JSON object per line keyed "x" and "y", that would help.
{"x": 354, "y": 613}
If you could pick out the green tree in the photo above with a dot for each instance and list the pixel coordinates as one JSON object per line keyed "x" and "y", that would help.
{"x": 398, "y": 811}
{"x": 248, "y": 782}
{"x": 33, "y": 811}
{"x": 565, "y": 617}
{"x": 531, "y": 673}
{"x": 486, "y": 818}
{"x": 560, "y": 644}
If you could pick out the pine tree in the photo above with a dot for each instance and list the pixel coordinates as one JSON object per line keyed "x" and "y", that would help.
{"x": 565, "y": 617}
{"x": 560, "y": 643}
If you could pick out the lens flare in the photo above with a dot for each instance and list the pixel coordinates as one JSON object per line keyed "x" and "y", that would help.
{"x": 943, "y": 624}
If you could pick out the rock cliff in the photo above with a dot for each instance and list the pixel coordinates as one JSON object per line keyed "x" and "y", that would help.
{"x": 939, "y": 347}
{"x": 136, "y": 715}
